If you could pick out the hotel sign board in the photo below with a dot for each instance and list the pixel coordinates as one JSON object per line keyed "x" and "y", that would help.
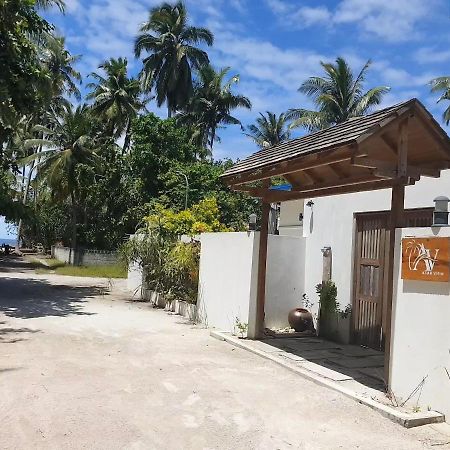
{"x": 426, "y": 259}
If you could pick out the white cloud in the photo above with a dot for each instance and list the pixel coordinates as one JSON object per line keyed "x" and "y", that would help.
{"x": 307, "y": 16}
{"x": 397, "y": 77}
{"x": 392, "y": 20}
{"x": 426, "y": 55}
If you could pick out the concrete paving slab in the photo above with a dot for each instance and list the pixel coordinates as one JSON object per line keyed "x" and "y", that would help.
{"x": 325, "y": 371}
{"x": 354, "y": 350}
{"x": 352, "y": 362}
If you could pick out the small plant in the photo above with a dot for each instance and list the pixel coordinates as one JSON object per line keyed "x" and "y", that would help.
{"x": 307, "y": 304}
{"x": 328, "y": 298}
{"x": 344, "y": 313}
{"x": 241, "y": 327}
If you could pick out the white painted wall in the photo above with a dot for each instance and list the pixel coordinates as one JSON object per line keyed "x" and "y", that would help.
{"x": 330, "y": 223}
{"x": 421, "y": 334}
{"x": 135, "y": 279}
{"x": 285, "y": 279}
{"x": 228, "y": 276}
{"x": 228, "y": 279}
{"x": 289, "y": 224}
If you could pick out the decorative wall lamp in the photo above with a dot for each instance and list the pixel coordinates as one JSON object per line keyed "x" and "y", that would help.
{"x": 252, "y": 222}
{"x": 440, "y": 213}
{"x": 300, "y": 218}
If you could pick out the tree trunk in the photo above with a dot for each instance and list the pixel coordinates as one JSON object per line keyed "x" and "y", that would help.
{"x": 73, "y": 243}
{"x": 169, "y": 112}
{"x": 127, "y": 141}
{"x": 24, "y": 202}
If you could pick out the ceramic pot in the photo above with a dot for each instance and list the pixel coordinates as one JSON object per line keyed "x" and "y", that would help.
{"x": 300, "y": 319}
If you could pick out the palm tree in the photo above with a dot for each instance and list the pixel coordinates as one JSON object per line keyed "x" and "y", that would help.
{"x": 211, "y": 105}
{"x": 442, "y": 84}
{"x": 59, "y": 64}
{"x": 69, "y": 144}
{"x": 338, "y": 97}
{"x": 269, "y": 130}
{"x": 116, "y": 98}
{"x": 170, "y": 43}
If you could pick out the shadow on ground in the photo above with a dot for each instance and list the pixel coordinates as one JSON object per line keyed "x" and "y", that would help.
{"x": 16, "y": 264}
{"x": 10, "y": 335}
{"x": 30, "y": 298}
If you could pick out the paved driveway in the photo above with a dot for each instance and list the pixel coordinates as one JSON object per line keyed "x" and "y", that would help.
{"x": 81, "y": 368}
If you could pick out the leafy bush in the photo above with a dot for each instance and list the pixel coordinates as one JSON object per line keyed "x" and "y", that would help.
{"x": 200, "y": 218}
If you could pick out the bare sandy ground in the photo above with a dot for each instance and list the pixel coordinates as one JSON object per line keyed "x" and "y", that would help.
{"x": 85, "y": 369}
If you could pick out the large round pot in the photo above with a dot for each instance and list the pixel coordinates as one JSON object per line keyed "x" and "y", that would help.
{"x": 300, "y": 319}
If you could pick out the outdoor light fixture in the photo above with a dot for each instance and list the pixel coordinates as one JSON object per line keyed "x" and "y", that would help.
{"x": 300, "y": 218}
{"x": 440, "y": 213}
{"x": 252, "y": 222}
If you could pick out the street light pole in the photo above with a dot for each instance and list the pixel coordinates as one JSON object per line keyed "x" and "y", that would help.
{"x": 187, "y": 188}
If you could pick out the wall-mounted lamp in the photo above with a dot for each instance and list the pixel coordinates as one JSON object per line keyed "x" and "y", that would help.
{"x": 252, "y": 222}
{"x": 310, "y": 203}
{"x": 440, "y": 213}
{"x": 300, "y": 218}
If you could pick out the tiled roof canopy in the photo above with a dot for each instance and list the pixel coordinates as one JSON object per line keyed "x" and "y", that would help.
{"x": 362, "y": 153}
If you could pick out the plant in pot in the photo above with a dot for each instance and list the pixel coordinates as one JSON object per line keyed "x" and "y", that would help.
{"x": 334, "y": 323}
{"x": 300, "y": 319}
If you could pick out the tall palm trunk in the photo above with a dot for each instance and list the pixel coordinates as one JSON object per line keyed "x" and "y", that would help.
{"x": 25, "y": 191}
{"x": 73, "y": 243}
{"x": 127, "y": 141}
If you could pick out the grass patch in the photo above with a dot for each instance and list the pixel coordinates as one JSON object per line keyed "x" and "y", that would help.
{"x": 46, "y": 263}
{"x": 116, "y": 271}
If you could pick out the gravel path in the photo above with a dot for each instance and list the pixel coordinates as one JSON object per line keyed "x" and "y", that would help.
{"x": 84, "y": 368}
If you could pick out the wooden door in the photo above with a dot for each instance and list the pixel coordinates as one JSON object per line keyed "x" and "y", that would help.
{"x": 370, "y": 260}
{"x": 370, "y": 271}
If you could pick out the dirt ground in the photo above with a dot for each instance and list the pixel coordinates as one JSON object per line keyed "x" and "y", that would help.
{"x": 83, "y": 368}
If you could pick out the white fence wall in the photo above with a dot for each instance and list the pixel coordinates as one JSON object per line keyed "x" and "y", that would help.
{"x": 228, "y": 279}
{"x": 421, "y": 334}
{"x": 228, "y": 275}
{"x": 84, "y": 257}
{"x": 285, "y": 279}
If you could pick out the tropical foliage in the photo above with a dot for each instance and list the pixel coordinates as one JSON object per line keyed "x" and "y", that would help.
{"x": 338, "y": 96}
{"x": 269, "y": 129}
{"x": 172, "y": 54}
{"x": 211, "y": 105}
{"x": 116, "y": 99}
{"x": 442, "y": 85}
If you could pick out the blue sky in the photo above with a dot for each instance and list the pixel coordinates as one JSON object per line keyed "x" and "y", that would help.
{"x": 274, "y": 45}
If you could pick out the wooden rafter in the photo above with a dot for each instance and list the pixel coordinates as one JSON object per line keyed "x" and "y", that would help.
{"x": 305, "y": 162}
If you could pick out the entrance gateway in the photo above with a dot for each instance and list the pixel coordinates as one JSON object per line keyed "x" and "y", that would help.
{"x": 371, "y": 253}
{"x": 388, "y": 149}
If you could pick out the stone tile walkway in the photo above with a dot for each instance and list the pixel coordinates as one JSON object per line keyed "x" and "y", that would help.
{"x": 341, "y": 363}
{"x": 354, "y": 371}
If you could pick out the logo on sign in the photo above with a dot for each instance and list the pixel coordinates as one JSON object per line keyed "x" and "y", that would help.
{"x": 419, "y": 254}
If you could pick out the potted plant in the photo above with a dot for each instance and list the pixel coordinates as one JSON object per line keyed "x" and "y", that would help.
{"x": 334, "y": 323}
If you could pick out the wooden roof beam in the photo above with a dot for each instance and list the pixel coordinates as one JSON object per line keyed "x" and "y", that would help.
{"x": 273, "y": 196}
{"x": 412, "y": 170}
{"x": 310, "y": 161}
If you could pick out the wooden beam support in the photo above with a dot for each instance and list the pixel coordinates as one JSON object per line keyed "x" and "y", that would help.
{"x": 262, "y": 268}
{"x": 397, "y": 219}
{"x": 278, "y": 196}
{"x": 387, "y": 140}
{"x": 311, "y": 161}
{"x": 411, "y": 170}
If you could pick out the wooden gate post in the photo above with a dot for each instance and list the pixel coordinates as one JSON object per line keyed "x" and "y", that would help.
{"x": 396, "y": 221}
{"x": 262, "y": 267}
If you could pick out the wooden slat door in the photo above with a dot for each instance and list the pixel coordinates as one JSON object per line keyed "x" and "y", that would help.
{"x": 372, "y": 240}
{"x": 370, "y": 255}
